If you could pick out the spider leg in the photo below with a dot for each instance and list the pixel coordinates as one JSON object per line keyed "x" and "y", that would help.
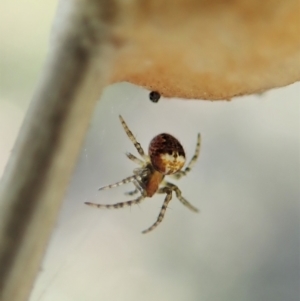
{"x": 162, "y": 210}
{"x": 133, "y": 192}
{"x": 124, "y": 181}
{"x": 117, "y": 205}
{"x": 138, "y": 188}
{"x": 134, "y": 159}
{"x": 180, "y": 197}
{"x": 182, "y": 173}
{"x": 132, "y": 138}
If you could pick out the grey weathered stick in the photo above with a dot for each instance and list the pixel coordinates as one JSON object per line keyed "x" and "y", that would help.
{"x": 49, "y": 142}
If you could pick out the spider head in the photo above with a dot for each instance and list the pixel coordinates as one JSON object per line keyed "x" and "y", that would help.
{"x": 166, "y": 154}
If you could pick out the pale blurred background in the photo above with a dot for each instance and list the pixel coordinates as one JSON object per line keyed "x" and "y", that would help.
{"x": 244, "y": 244}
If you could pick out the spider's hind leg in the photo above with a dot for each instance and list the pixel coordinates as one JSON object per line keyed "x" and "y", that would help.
{"x": 180, "y": 197}
{"x": 168, "y": 189}
{"x": 163, "y": 209}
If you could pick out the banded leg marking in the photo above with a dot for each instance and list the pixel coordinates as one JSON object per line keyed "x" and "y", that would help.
{"x": 132, "y": 138}
{"x": 117, "y": 205}
{"x": 124, "y": 181}
{"x": 162, "y": 211}
{"x": 180, "y": 197}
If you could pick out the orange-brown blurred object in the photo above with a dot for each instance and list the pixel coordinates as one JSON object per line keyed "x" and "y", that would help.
{"x": 208, "y": 49}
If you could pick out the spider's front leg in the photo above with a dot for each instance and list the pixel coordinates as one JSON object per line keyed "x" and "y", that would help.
{"x": 132, "y": 138}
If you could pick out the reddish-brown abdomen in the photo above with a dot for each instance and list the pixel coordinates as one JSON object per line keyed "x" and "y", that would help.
{"x": 166, "y": 154}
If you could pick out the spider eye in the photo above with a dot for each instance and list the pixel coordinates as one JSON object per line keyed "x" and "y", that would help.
{"x": 166, "y": 154}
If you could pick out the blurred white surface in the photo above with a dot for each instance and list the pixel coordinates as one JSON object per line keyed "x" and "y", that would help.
{"x": 24, "y": 37}
{"x": 244, "y": 244}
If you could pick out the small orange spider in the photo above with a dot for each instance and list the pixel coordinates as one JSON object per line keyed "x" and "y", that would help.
{"x": 166, "y": 158}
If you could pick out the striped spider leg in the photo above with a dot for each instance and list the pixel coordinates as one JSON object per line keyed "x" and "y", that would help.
{"x": 165, "y": 157}
{"x": 168, "y": 189}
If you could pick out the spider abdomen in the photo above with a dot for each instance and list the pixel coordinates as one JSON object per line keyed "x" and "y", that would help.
{"x": 166, "y": 154}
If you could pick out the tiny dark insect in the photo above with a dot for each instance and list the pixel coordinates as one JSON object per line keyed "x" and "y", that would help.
{"x": 154, "y": 96}
{"x": 166, "y": 157}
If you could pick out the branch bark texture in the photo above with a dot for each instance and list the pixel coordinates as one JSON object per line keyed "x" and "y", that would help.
{"x": 49, "y": 142}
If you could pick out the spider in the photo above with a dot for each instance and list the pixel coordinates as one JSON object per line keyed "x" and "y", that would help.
{"x": 166, "y": 158}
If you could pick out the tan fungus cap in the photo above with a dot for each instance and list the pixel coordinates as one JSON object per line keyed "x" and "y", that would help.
{"x": 208, "y": 49}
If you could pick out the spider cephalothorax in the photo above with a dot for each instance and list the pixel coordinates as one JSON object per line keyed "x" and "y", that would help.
{"x": 166, "y": 158}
